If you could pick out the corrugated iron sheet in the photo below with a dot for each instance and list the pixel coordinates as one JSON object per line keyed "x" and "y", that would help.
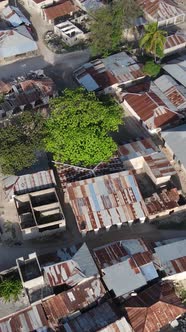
{"x": 106, "y": 200}
{"x": 93, "y": 320}
{"x": 160, "y": 9}
{"x": 110, "y": 254}
{"x": 117, "y": 68}
{"x": 174, "y": 40}
{"x": 59, "y": 10}
{"x": 68, "y": 273}
{"x": 77, "y": 298}
{"x": 152, "y": 319}
{"x": 159, "y": 165}
{"x": 179, "y": 264}
{"x": 120, "y": 325}
{"x": 138, "y": 148}
{"x": 166, "y": 200}
{"x": 27, "y": 320}
{"x": 150, "y": 109}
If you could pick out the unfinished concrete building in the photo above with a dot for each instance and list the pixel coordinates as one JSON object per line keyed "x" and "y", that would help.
{"x": 39, "y": 212}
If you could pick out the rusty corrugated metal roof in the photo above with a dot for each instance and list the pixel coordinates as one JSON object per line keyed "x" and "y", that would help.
{"x": 160, "y": 9}
{"x": 174, "y": 40}
{"x": 68, "y": 273}
{"x": 65, "y": 7}
{"x": 106, "y": 200}
{"x": 179, "y": 264}
{"x": 150, "y": 109}
{"x": 120, "y": 325}
{"x": 152, "y": 319}
{"x": 159, "y": 165}
{"x": 138, "y": 148}
{"x": 30, "y": 319}
{"x": 77, "y": 298}
{"x": 165, "y": 200}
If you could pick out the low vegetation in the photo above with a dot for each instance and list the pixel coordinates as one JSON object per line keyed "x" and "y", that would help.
{"x": 151, "y": 68}
{"x": 10, "y": 289}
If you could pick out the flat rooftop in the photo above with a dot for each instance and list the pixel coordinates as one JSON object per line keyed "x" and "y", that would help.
{"x": 29, "y": 269}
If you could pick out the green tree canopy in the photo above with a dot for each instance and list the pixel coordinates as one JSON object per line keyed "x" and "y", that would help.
{"x": 153, "y": 40}
{"x": 151, "y": 68}
{"x": 10, "y": 289}
{"x": 19, "y": 141}
{"x": 107, "y": 24}
{"x": 77, "y": 130}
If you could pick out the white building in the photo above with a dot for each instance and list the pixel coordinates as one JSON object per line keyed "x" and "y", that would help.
{"x": 70, "y": 34}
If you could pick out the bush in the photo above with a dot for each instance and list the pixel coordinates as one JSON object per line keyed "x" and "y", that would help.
{"x": 152, "y": 69}
{"x": 10, "y": 289}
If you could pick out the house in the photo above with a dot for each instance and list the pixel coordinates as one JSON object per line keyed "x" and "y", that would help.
{"x": 175, "y": 140}
{"x": 23, "y": 184}
{"x": 88, "y": 293}
{"x": 27, "y": 94}
{"x": 39, "y": 212}
{"x": 14, "y": 16}
{"x": 171, "y": 258}
{"x": 125, "y": 266}
{"x": 64, "y": 8}
{"x": 104, "y": 201}
{"x": 154, "y": 308}
{"x": 29, "y": 319}
{"x": 16, "y": 42}
{"x": 69, "y": 32}
{"x": 144, "y": 156}
{"x": 175, "y": 92}
{"x": 165, "y": 12}
{"x": 177, "y": 70}
{"x": 174, "y": 43}
{"x": 150, "y": 110}
{"x": 109, "y": 73}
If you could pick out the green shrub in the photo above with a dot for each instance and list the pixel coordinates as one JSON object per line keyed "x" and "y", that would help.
{"x": 151, "y": 68}
{"x": 10, "y": 289}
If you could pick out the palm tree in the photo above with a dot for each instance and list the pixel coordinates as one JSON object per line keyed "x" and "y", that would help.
{"x": 153, "y": 40}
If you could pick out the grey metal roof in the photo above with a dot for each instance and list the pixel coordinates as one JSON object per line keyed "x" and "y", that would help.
{"x": 177, "y": 71}
{"x": 175, "y": 139}
{"x": 16, "y": 42}
{"x": 171, "y": 251}
{"x": 14, "y": 16}
{"x": 81, "y": 255}
{"x": 122, "y": 278}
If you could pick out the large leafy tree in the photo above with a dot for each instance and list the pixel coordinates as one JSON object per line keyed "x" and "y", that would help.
{"x": 77, "y": 130}
{"x": 19, "y": 141}
{"x": 153, "y": 40}
{"x": 107, "y": 24}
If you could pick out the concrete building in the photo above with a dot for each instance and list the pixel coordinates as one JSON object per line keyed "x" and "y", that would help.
{"x": 70, "y": 34}
{"x": 165, "y": 12}
{"x": 37, "y": 5}
{"x": 109, "y": 73}
{"x": 39, "y": 212}
{"x": 144, "y": 157}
